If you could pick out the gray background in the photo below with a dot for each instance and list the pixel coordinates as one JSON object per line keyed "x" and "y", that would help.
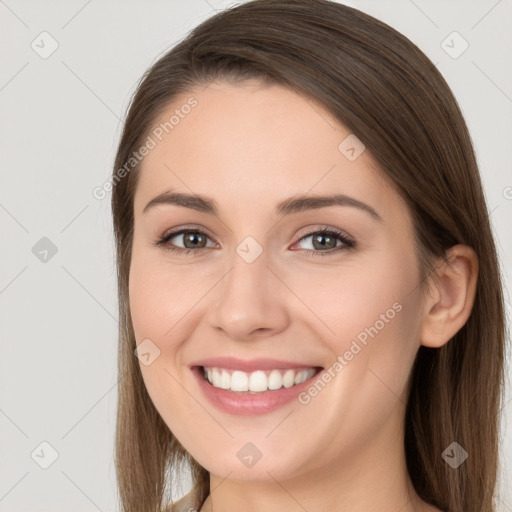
{"x": 61, "y": 118}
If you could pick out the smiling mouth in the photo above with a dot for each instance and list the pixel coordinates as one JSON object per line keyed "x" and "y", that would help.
{"x": 259, "y": 381}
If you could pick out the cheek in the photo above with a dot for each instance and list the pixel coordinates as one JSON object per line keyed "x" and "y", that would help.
{"x": 374, "y": 317}
{"x": 160, "y": 296}
{"x": 158, "y": 306}
{"x": 356, "y": 299}
{"x": 369, "y": 314}
{"x": 165, "y": 306}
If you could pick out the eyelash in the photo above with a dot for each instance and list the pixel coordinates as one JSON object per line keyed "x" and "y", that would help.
{"x": 348, "y": 242}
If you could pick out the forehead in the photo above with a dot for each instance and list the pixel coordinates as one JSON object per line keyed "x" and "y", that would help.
{"x": 256, "y": 144}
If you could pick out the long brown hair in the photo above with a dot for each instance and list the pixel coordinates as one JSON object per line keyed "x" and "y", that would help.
{"x": 386, "y": 91}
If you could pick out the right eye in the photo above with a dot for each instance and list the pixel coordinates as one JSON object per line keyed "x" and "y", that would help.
{"x": 189, "y": 236}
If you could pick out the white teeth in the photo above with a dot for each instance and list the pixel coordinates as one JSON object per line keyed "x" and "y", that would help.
{"x": 225, "y": 380}
{"x": 289, "y": 378}
{"x": 239, "y": 381}
{"x": 275, "y": 381}
{"x": 221, "y": 379}
{"x": 258, "y": 381}
{"x": 301, "y": 377}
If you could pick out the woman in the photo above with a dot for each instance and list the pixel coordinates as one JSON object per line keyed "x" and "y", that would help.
{"x": 276, "y": 132}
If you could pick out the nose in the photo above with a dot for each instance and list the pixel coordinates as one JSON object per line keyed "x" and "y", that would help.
{"x": 250, "y": 301}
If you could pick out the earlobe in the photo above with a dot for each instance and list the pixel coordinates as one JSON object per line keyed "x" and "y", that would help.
{"x": 451, "y": 296}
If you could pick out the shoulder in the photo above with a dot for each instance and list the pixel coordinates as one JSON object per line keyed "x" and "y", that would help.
{"x": 185, "y": 504}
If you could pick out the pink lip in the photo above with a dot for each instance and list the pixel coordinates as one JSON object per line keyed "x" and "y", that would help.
{"x": 246, "y": 403}
{"x": 232, "y": 363}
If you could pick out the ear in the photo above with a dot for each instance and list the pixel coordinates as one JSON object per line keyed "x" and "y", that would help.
{"x": 451, "y": 296}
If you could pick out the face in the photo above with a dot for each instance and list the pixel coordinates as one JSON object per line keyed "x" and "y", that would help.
{"x": 268, "y": 290}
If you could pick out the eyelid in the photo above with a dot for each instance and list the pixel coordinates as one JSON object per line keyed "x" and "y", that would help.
{"x": 314, "y": 228}
{"x": 306, "y": 231}
{"x": 347, "y": 240}
{"x": 179, "y": 230}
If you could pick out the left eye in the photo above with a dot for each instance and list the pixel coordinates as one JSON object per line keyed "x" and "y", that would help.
{"x": 323, "y": 242}
{"x": 328, "y": 239}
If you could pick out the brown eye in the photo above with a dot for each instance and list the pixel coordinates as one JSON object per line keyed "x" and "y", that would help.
{"x": 194, "y": 238}
{"x": 325, "y": 242}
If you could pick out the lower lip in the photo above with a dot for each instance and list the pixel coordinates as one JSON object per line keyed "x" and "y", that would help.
{"x": 246, "y": 403}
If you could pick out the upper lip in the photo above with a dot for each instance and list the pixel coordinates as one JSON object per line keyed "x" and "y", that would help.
{"x": 233, "y": 363}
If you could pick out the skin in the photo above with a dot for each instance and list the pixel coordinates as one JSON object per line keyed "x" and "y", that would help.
{"x": 248, "y": 146}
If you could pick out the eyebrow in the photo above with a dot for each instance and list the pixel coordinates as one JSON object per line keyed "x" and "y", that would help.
{"x": 289, "y": 206}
